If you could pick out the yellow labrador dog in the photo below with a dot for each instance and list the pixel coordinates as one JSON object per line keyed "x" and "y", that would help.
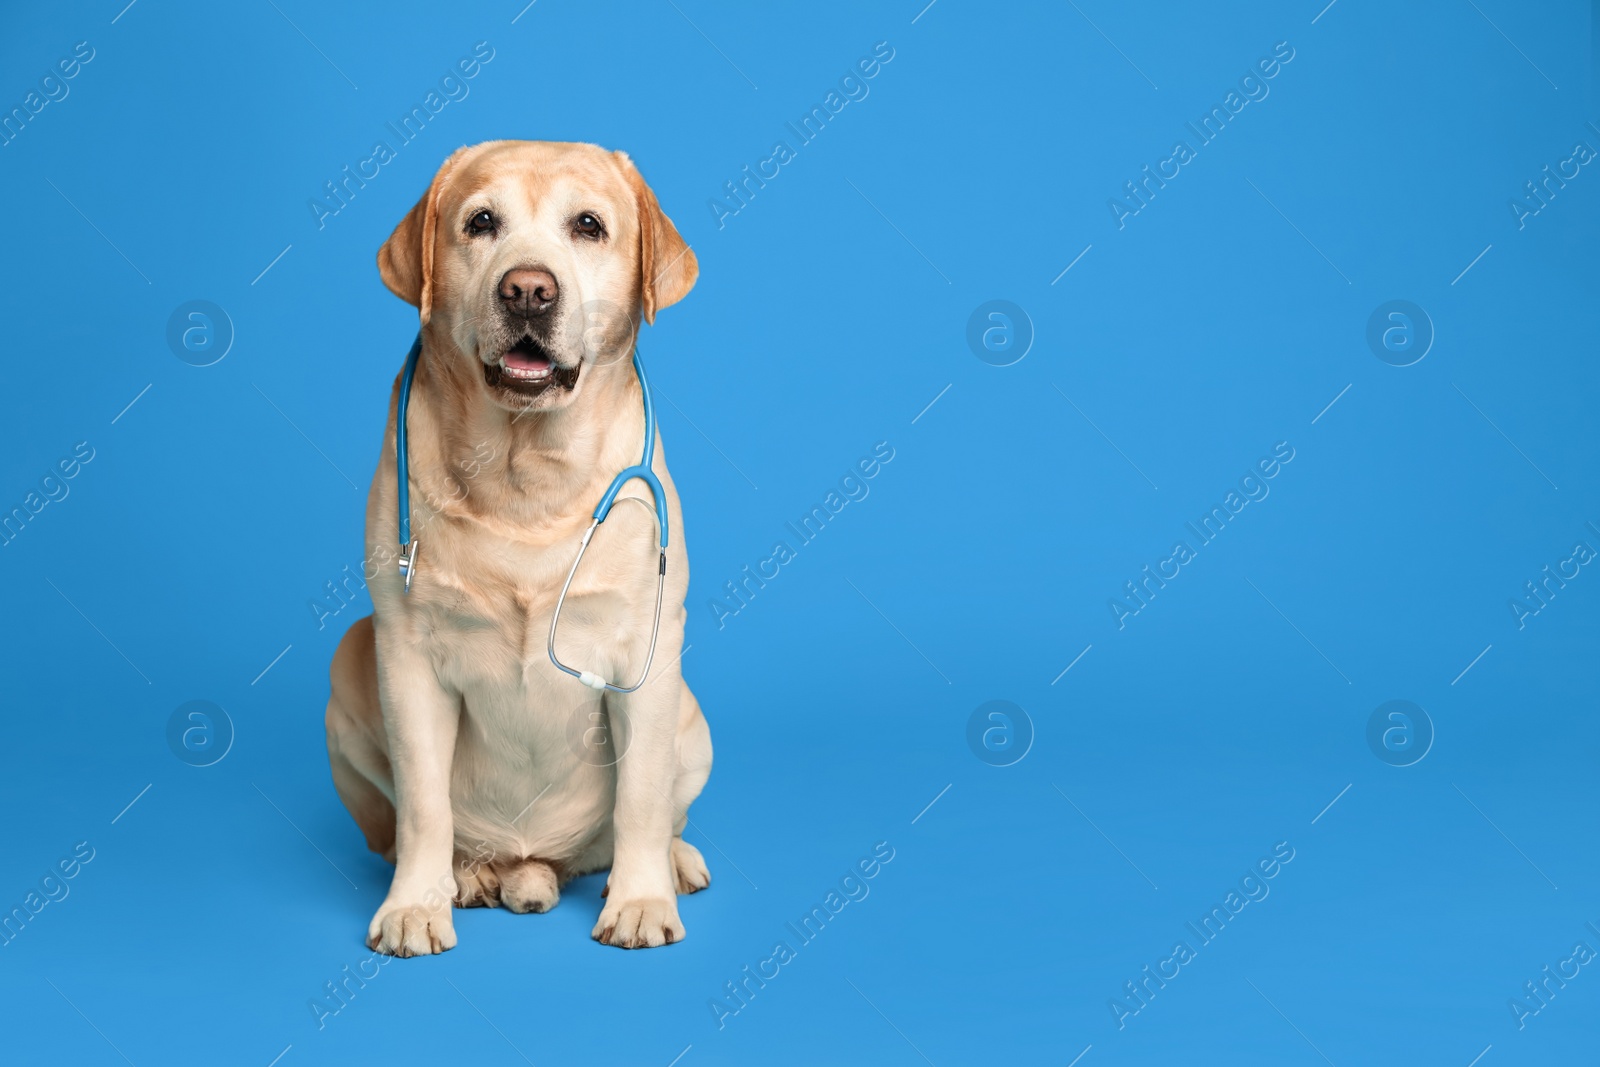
{"x": 486, "y": 775}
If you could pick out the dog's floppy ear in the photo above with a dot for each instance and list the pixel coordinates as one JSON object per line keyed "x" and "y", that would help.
{"x": 405, "y": 262}
{"x": 667, "y": 267}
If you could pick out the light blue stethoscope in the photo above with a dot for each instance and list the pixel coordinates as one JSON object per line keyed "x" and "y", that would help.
{"x": 408, "y": 547}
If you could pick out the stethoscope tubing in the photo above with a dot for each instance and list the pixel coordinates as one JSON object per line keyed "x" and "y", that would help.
{"x": 642, "y": 471}
{"x": 589, "y": 678}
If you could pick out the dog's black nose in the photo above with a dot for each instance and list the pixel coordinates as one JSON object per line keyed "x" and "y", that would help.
{"x": 528, "y": 291}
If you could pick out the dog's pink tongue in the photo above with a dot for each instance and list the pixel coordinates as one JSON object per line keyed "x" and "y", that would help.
{"x": 526, "y": 364}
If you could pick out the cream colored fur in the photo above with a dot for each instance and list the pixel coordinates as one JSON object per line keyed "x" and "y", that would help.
{"x": 464, "y": 755}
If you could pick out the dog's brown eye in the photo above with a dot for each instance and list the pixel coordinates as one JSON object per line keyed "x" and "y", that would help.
{"x": 481, "y": 223}
{"x": 588, "y": 225}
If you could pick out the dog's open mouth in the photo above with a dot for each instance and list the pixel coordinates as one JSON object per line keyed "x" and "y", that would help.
{"x": 528, "y": 370}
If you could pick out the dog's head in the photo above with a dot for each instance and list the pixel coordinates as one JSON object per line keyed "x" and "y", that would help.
{"x": 539, "y": 259}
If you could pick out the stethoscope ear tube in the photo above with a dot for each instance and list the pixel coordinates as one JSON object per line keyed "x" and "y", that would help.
{"x": 648, "y": 477}
{"x": 408, "y": 548}
{"x": 643, "y": 471}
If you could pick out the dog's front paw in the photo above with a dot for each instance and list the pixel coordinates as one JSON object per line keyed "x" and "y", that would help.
{"x": 644, "y": 922}
{"x": 411, "y": 930}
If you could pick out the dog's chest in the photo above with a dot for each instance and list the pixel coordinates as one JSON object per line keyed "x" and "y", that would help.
{"x": 487, "y": 604}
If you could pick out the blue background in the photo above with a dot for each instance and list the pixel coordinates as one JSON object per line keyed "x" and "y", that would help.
{"x": 1175, "y": 753}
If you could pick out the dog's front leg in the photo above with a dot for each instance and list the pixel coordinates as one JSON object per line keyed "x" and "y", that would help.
{"x": 421, "y": 717}
{"x": 641, "y": 908}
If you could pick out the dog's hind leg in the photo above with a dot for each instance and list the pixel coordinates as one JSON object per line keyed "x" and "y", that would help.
{"x": 358, "y": 749}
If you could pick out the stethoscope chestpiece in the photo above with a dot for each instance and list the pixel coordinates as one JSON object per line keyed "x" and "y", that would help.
{"x": 408, "y": 562}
